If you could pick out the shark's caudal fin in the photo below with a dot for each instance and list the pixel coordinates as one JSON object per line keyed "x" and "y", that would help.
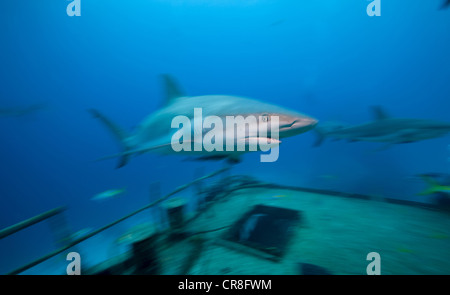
{"x": 118, "y": 133}
{"x": 173, "y": 90}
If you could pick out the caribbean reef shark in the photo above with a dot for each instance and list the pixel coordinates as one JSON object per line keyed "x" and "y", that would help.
{"x": 21, "y": 111}
{"x": 155, "y": 133}
{"x": 384, "y": 129}
{"x": 445, "y": 4}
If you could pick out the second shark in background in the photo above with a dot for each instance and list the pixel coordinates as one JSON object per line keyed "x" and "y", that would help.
{"x": 384, "y": 129}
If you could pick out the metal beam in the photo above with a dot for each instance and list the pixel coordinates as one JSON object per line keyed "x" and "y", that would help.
{"x": 87, "y": 236}
{"x": 29, "y": 222}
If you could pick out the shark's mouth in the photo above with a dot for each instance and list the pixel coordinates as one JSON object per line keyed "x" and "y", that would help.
{"x": 287, "y": 125}
{"x": 298, "y": 126}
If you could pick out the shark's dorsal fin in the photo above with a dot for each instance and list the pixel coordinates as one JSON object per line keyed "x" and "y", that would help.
{"x": 172, "y": 89}
{"x": 379, "y": 113}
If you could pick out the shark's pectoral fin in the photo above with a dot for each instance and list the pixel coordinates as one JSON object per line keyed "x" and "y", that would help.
{"x": 231, "y": 158}
{"x": 262, "y": 142}
{"x": 129, "y": 153}
{"x": 120, "y": 135}
{"x": 122, "y": 162}
{"x": 234, "y": 158}
{"x": 208, "y": 158}
{"x": 319, "y": 139}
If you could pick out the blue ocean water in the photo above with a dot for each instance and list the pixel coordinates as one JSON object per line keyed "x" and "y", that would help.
{"x": 327, "y": 59}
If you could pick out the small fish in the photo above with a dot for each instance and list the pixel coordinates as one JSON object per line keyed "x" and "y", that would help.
{"x": 329, "y": 177}
{"x": 108, "y": 194}
{"x": 439, "y": 236}
{"x": 21, "y": 111}
{"x": 271, "y": 248}
{"x": 125, "y": 238}
{"x": 136, "y": 233}
{"x": 279, "y": 196}
{"x": 81, "y": 233}
{"x": 405, "y": 250}
{"x": 433, "y": 186}
{"x": 76, "y": 235}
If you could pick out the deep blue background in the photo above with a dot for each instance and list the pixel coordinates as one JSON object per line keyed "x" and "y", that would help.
{"x": 325, "y": 58}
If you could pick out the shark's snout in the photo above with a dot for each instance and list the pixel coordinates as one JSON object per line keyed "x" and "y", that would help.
{"x": 293, "y": 125}
{"x": 304, "y": 123}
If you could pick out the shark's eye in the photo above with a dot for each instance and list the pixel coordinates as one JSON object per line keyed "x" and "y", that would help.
{"x": 265, "y": 117}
